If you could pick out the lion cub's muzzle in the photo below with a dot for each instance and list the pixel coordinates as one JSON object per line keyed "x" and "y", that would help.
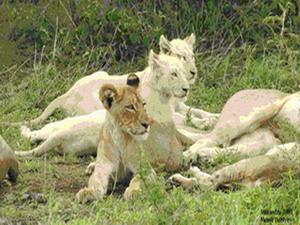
{"x": 141, "y": 132}
{"x": 143, "y": 129}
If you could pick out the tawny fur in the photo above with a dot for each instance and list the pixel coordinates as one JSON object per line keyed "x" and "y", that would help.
{"x": 8, "y": 162}
{"x": 126, "y": 125}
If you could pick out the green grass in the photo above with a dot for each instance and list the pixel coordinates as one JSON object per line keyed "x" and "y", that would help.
{"x": 46, "y": 46}
{"x": 58, "y": 178}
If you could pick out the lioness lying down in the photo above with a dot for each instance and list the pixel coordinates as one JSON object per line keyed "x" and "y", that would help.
{"x": 243, "y": 128}
{"x": 251, "y": 172}
{"x": 244, "y": 121}
{"x": 8, "y": 163}
{"x": 126, "y": 125}
{"x": 82, "y": 98}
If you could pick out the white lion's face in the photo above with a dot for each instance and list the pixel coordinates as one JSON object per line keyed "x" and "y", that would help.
{"x": 170, "y": 75}
{"x": 183, "y": 50}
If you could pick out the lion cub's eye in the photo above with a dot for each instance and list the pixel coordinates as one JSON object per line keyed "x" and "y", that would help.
{"x": 144, "y": 104}
{"x": 174, "y": 74}
{"x": 184, "y": 58}
{"x": 130, "y": 108}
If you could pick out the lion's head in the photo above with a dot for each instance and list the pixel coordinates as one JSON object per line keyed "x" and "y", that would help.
{"x": 169, "y": 75}
{"x": 182, "y": 49}
{"x": 127, "y": 107}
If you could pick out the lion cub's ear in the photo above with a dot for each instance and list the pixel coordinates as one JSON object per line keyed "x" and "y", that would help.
{"x": 191, "y": 40}
{"x": 164, "y": 45}
{"x": 107, "y": 95}
{"x": 133, "y": 80}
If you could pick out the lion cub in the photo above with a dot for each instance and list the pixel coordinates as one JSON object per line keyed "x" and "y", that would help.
{"x": 126, "y": 125}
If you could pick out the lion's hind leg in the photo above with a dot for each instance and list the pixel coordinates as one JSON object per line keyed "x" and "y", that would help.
{"x": 48, "y": 145}
{"x": 33, "y": 136}
{"x": 136, "y": 184}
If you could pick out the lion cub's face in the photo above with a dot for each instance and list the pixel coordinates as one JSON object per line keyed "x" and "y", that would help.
{"x": 127, "y": 107}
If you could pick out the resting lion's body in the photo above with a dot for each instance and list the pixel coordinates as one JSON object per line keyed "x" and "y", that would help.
{"x": 243, "y": 114}
{"x": 126, "y": 125}
{"x": 78, "y": 135}
{"x": 8, "y": 162}
{"x": 251, "y": 172}
{"x": 73, "y": 135}
{"x": 82, "y": 98}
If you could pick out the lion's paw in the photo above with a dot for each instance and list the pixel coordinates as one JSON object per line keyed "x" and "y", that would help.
{"x": 86, "y": 195}
{"x": 90, "y": 168}
{"x": 183, "y": 181}
{"x": 190, "y": 156}
{"x": 131, "y": 193}
{"x": 25, "y": 131}
{"x": 203, "y": 156}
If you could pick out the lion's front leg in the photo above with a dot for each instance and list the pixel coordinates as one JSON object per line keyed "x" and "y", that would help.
{"x": 183, "y": 181}
{"x": 182, "y": 119}
{"x": 199, "y": 113}
{"x": 204, "y": 149}
{"x": 133, "y": 188}
{"x": 90, "y": 168}
{"x": 205, "y": 123}
{"x": 98, "y": 181}
{"x": 135, "y": 185}
{"x": 199, "y": 178}
{"x": 203, "y": 114}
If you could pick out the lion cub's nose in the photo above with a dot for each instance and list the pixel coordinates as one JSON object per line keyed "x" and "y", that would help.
{"x": 146, "y": 125}
{"x": 185, "y": 89}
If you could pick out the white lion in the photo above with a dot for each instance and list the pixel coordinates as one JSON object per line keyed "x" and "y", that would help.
{"x": 244, "y": 124}
{"x": 82, "y": 98}
{"x": 251, "y": 172}
{"x": 79, "y": 135}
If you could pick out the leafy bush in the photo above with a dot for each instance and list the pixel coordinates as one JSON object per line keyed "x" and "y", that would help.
{"x": 98, "y": 34}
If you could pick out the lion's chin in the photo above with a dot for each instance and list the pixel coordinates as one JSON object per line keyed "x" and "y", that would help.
{"x": 182, "y": 98}
{"x": 141, "y": 137}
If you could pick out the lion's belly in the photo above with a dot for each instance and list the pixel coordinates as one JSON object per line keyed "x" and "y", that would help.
{"x": 163, "y": 147}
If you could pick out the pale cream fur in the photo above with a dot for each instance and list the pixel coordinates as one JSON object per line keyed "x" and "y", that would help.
{"x": 251, "y": 172}
{"x": 82, "y": 98}
{"x": 164, "y": 78}
{"x": 244, "y": 129}
{"x": 244, "y": 113}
